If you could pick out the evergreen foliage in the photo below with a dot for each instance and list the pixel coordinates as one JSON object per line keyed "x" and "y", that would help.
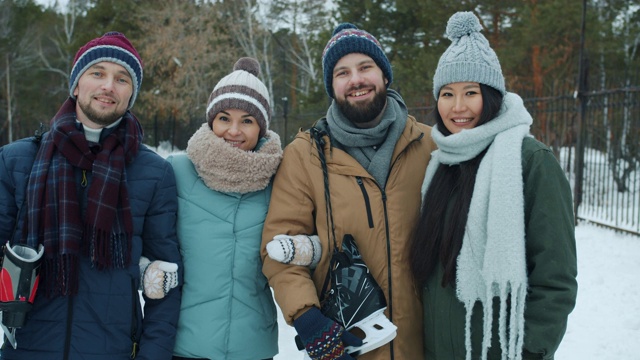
{"x": 187, "y": 46}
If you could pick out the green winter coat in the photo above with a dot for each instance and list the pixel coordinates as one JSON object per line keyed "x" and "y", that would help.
{"x": 551, "y": 269}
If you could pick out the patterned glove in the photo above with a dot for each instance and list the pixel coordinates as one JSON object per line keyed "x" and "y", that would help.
{"x": 324, "y": 338}
{"x": 157, "y": 277}
{"x": 304, "y": 250}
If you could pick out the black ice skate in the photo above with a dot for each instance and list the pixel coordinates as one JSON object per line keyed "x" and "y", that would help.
{"x": 19, "y": 278}
{"x": 356, "y": 301}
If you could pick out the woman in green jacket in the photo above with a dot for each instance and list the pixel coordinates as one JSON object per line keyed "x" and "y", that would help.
{"x": 224, "y": 187}
{"x": 494, "y": 250}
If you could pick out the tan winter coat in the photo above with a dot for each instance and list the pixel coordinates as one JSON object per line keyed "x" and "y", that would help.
{"x": 380, "y": 221}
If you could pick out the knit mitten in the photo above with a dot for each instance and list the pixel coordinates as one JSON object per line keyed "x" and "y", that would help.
{"x": 304, "y": 250}
{"x": 324, "y": 338}
{"x": 157, "y": 277}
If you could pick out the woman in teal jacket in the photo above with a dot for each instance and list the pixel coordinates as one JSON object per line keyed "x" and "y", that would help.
{"x": 494, "y": 250}
{"x": 224, "y": 185}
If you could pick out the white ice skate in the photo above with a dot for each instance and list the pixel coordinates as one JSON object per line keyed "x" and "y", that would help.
{"x": 356, "y": 301}
{"x": 375, "y": 331}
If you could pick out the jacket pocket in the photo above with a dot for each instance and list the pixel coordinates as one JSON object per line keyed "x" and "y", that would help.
{"x": 367, "y": 203}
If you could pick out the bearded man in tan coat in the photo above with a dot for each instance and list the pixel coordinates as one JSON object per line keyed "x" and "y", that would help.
{"x": 376, "y": 155}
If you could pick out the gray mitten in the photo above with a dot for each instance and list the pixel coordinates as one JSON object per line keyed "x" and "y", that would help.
{"x": 157, "y": 277}
{"x": 304, "y": 250}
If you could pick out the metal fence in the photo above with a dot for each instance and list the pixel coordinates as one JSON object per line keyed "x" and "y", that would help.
{"x": 595, "y": 138}
{"x": 608, "y": 190}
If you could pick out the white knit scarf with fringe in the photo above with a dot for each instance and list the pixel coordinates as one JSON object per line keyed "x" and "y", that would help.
{"x": 492, "y": 258}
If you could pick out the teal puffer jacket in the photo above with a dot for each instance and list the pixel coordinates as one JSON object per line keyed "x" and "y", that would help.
{"x": 227, "y": 307}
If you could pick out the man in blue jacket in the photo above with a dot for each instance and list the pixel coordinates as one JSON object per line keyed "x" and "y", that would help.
{"x": 98, "y": 201}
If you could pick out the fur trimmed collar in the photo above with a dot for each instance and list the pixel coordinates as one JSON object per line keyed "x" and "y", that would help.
{"x": 228, "y": 169}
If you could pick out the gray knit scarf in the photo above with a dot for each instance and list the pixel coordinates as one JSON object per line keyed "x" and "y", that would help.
{"x": 225, "y": 168}
{"x": 361, "y": 142}
{"x": 492, "y": 258}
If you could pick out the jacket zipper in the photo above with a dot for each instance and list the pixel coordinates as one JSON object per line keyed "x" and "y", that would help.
{"x": 386, "y": 223}
{"x": 67, "y": 340}
{"x": 367, "y": 203}
{"x": 134, "y": 320}
{"x": 390, "y": 302}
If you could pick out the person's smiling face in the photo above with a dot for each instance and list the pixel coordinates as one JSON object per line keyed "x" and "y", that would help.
{"x": 460, "y": 105}
{"x": 103, "y": 94}
{"x": 237, "y": 127}
{"x": 359, "y": 88}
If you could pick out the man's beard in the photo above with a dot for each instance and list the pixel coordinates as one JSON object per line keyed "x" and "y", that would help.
{"x": 99, "y": 118}
{"x": 363, "y": 112}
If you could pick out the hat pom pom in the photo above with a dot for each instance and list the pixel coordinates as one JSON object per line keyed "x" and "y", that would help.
{"x": 247, "y": 64}
{"x": 461, "y": 24}
{"x": 344, "y": 26}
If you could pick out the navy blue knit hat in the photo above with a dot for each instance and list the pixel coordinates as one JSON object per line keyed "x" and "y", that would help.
{"x": 113, "y": 47}
{"x": 347, "y": 39}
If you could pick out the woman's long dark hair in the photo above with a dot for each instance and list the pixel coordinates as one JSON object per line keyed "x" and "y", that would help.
{"x": 434, "y": 239}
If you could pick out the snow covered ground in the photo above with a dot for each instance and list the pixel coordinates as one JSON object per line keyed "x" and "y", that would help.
{"x": 605, "y": 324}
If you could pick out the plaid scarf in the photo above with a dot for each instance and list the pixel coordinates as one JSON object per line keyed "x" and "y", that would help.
{"x": 54, "y": 216}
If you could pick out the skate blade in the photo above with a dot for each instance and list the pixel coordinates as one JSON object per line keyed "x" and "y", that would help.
{"x": 377, "y": 330}
{"x": 10, "y": 334}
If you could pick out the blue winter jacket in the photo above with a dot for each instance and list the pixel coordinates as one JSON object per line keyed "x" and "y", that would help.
{"x": 227, "y": 309}
{"x": 104, "y": 319}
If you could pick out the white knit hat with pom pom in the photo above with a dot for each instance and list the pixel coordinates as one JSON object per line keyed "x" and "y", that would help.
{"x": 469, "y": 58}
{"x": 242, "y": 90}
